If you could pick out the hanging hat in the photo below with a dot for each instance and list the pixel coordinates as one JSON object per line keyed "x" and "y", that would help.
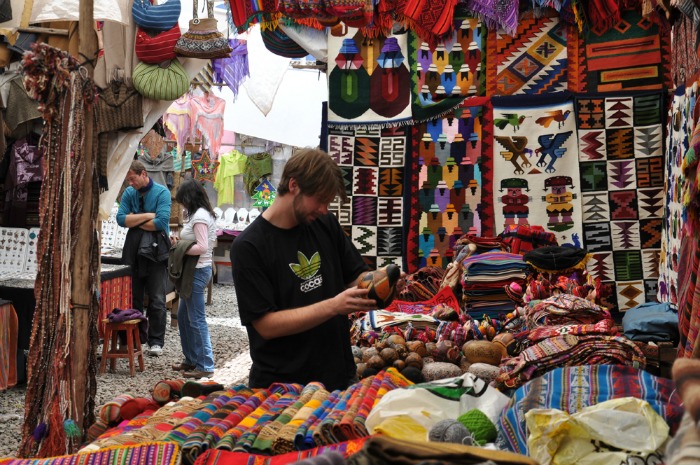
{"x": 23, "y": 43}
{"x": 280, "y": 44}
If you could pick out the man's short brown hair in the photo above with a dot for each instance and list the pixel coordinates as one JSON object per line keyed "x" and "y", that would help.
{"x": 316, "y": 174}
{"x": 137, "y": 167}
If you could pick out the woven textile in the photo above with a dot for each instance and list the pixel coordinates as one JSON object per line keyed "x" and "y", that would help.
{"x": 114, "y": 293}
{"x": 247, "y": 440}
{"x": 205, "y": 168}
{"x": 158, "y": 453}
{"x": 222, "y": 457}
{"x": 208, "y": 407}
{"x": 443, "y": 76}
{"x": 304, "y": 437}
{"x": 284, "y": 442}
{"x": 368, "y": 80}
{"x": 533, "y": 61}
{"x": 450, "y": 183}
{"x": 633, "y": 55}
{"x": 372, "y": 161}
{"x": 535, "y": 165}
{"x": 622, "y": 185}
{"x": 259, "y": 400}
{"x": 8, "y": 346}
{"x": 677, "y": 144}
{"x": 572, "y": 388}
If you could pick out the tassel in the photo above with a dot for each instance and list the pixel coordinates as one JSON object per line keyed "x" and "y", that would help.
{"x": 40, "y": 431}
{"x": 71, "y": 428}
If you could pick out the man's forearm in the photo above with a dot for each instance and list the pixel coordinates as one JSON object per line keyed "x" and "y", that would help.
{"x": 139, "y": 219}
{"x": 294, "y": 320}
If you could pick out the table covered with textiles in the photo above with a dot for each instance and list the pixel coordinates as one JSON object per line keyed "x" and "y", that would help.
{"x": 115, "y": 291}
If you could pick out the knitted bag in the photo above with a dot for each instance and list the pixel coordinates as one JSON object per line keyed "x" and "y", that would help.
{"x": 161, "y": 83}
{"x": 203, "y": 39}
{"x": 158, "y": 48}
{"x": 119, "y": 108}
{"x": 159, "y": 17}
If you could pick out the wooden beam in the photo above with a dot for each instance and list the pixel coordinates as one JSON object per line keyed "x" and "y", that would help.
{"x": 82, "y": 294}
{"x": 44, "y": 30}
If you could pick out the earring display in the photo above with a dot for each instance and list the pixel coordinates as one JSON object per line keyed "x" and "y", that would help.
{"x": 14, "y": 243}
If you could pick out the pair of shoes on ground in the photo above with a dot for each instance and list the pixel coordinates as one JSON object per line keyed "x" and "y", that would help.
{"x": 155, "y": 350}
{"x": 183, "y": 366}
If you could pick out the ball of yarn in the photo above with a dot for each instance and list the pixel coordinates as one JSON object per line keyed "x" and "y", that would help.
{"x": 482, "y": 428}
{"x": 450, "y": 431}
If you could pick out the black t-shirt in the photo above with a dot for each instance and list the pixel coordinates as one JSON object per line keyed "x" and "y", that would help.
{"x": 277, "y": 269}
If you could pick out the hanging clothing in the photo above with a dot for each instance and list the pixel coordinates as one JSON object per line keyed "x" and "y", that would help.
{"x": 232, "y": 163}
{"x": 26, "y": 166}
{"x": 159, "y": 168}
{"x": 257, "y": 166}
{"x": 178, "y": 121}
{"x": 207, "y": 113}
{"x": 177, "y": 160}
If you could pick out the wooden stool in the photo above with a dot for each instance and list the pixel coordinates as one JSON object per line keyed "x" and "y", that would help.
{"x": 111, "y": 351}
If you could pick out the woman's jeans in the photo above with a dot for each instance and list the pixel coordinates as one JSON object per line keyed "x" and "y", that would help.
{"x": 191, "y": 319}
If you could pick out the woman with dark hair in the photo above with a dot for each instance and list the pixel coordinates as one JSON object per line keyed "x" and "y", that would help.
{"x": 198, "y": 235}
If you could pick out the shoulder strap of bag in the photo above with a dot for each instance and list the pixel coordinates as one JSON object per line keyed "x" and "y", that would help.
{"x": 210, "y": 8}
{"x": 195, "y": 6}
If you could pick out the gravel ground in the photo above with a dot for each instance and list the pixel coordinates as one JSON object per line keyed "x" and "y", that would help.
{"x": 229, "y": 341}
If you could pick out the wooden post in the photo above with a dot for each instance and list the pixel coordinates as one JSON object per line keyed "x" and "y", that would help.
{"x": 81, "y": 294}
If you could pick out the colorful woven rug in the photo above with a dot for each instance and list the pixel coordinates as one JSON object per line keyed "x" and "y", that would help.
{"x": 633, "y": 55}
{"x": 535, "y": 164}
{"x": 372, "y": 161}
{"x": 533, "y": 61}
{"x": 677, "y": 143}
{"x": 156, "y": 453}
{"x": 622, "y": 185}
{"x": 368, "y": 79}
{"x": 443, "y": 77}
{"x": 450, "y": 183}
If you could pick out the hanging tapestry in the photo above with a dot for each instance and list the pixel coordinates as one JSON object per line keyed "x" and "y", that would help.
{"x": 533, "y": 61}
{"x": 450, "y": 183}
{"x": 677, "y": 144}
{"x": 372, "y": 161}
{"x": 535, "y": 165}
{"x": 633, "y": 55}
{"x": 368, "y": 79}
{"x": 622, "y": 185}
{"x": 443, "y": 77}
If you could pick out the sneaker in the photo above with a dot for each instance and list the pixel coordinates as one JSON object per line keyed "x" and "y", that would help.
{"x": 198, "y": 374}
{"x": 155, "y": 350}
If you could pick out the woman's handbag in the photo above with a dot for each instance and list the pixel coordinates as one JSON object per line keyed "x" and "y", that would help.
{"x": 119, "y": 108}
{"x": 203, "y": 39}
{"x": 159, "y": 17}
{"x": 161, "y": 83}
{"x": 158, "y": 48}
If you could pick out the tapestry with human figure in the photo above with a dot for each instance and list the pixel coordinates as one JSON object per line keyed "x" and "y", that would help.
{"x": 368, "y": 78}
{"x": 450, "y": 183}
{"x": 535, "y": 165}
{"x": 677, "y": 144}
{"x": 373, "y": 163}
{"x": 622, "y": 189}
{"x": 533, "y": 61}
{"x": 443, "y": 76}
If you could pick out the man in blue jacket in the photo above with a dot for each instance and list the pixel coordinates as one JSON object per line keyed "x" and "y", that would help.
{"x": 145, "y": 206}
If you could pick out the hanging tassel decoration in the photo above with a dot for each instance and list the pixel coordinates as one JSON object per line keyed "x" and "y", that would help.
{"x": 40, "y": 431}
{"x": 71, "y": 428}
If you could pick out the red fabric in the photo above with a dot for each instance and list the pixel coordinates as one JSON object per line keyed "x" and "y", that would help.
{"x": 114, "y": 293}
{"x": 133, "y": 407}
{"x": 158, "y": 48}
{"x": 8, "y": 346}
{"x": 445, "y": 296}
{"x": 430, "y": 19}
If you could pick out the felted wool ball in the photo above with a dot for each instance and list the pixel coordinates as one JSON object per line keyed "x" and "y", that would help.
{"x": 450, "y": 431}
{"x": 381, "y": 284}
{"x": 441, "y": 370}
{"x": 484, "y": 371}
{"x": 413, "y": 374}
{"x": 482, "y": 428}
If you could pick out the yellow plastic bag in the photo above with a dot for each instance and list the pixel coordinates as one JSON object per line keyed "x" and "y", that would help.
{"x": 402, "y": 427}
{"x": 602, "y": 434}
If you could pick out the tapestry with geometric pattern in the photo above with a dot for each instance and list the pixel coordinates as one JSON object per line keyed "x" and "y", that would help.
{"x": 373, "y": 163}
{"x": 633, "y": 55}
{"x": 622, "y": 188}
{"x": 535, "y": 165}
{"x": 677, "y": 144}
{"x": 451, "y": 188}
{"x": 442, "y": 77}
{"x": 534, "y": 61}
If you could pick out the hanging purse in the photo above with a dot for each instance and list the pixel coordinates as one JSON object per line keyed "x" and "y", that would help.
{"x": 119, "y": 108}
{"x": 159, "y": 17}
{"x": 158, "y": 48}
{"x": 203, "y": 39}
{"x": 161, "y": 83}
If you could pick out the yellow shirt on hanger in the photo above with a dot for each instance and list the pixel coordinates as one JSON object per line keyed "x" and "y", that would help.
{"x": 232, "y": 163}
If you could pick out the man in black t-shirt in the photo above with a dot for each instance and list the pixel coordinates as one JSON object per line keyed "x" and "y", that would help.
{"x": 295, "y": 272}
